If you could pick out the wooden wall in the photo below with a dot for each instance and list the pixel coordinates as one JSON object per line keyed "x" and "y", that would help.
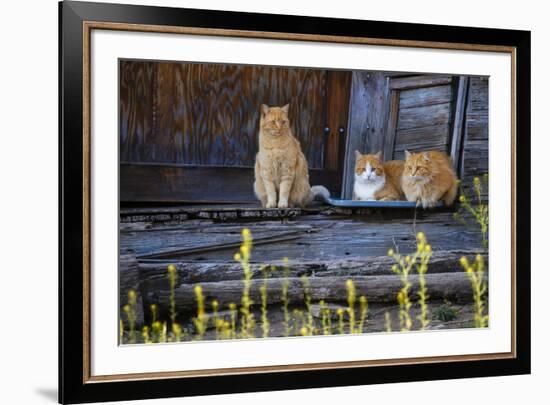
{"x": 207, "y": 114}
{"x": 189, "y": 131}
{"x": 396, "y": 112}
{"x": 423, "y": 120}
{"x": 475, "y": 156}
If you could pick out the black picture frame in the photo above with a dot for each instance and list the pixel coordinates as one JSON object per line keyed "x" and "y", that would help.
{"x": 73, "y": 387}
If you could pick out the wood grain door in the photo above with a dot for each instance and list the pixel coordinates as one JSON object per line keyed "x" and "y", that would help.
{"x": 189, "y": 131}
{"x": 426, "y": 113}
{"x": 397, "y": 112}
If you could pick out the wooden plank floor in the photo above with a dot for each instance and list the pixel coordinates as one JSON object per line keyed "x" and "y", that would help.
{"x": 327, "y": 244}
{"x": 323, "y": 233}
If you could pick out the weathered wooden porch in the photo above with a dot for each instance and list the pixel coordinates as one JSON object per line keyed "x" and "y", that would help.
{"x": 327, "y": 244}
{"x": 186, "y": 179}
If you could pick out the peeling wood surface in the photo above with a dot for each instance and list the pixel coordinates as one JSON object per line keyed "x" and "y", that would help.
{"x": 318, "y": 235}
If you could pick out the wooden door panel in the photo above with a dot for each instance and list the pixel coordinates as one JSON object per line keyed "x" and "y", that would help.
{"x": 189, "y": 131}
{"x": 407, "y": 82}
{"x": 421, "y": 115}
{"x": 208, "y": 114}
{"x": 135, "y": 109}
{"x": 425, "y": 96}
{"x": 368, "y": 118}
{"x": 338, "y": 96}
{"x": 397, "y": 112}
{"x": 420, "y": 139}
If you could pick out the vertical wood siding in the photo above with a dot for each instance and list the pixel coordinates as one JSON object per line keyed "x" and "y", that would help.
{"x": 208, "y": 114}
{"x": 135, "y": 110}
{"x": 367, "y": 122}
{"x": 338, "y": 95}
{"x": 475, "y": 157}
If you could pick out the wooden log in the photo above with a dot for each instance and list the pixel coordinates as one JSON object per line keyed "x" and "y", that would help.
{"x": 455, "y": 287}
{"x": 154, "y": 272}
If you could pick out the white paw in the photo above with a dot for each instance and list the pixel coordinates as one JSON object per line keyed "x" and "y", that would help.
{"x": 271, "y": 204}
{"x": 427, "y": 204}
{"x": 283, "y": 204}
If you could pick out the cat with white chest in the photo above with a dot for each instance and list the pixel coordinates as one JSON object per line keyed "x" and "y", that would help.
{"x": 375, "y": 180}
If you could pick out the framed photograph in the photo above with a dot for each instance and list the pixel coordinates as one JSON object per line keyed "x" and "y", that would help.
{"x": 256, "y": 202}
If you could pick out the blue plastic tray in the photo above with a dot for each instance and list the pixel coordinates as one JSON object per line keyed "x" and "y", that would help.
{"x": 337, "y": 202}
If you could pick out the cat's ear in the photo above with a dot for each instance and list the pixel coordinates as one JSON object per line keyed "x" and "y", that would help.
{"x": 285, "y": 108}
{"x": 426, "y": 157}
{"x": 407, "y": 154}
{"x": 357, "y": 154}
{"x": 379, "y": 155}
{"x": 264, "y": 109}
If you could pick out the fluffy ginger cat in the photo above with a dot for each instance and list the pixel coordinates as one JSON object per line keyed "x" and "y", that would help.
{"x": 429, "y": 177}
{"x": 281, "y": 170}
{"x": 375, "y": 180}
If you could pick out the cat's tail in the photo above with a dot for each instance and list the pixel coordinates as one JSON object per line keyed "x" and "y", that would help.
{"x": 319, "y": 193}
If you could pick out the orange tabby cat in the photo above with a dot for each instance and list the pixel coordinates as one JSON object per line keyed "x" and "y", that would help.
{"x": 281, "y": 172}
{"x": 429, "y": 177}
{"x": 375, "y": 180}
